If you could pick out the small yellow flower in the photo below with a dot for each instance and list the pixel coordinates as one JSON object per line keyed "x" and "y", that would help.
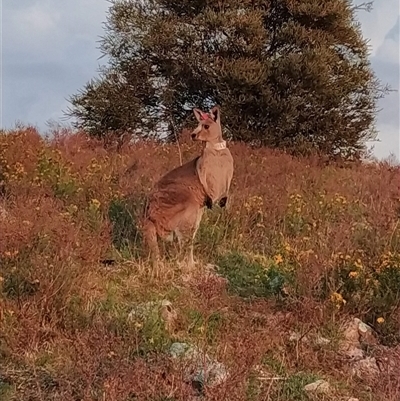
{"x": 358, "y": 264}
{"x": 380, "y": 320}
{"x": 337, "y": 299}
{"x": 278, "y": 259}
{"x": 353, "y": 274}
{"x": 96, "y": 203}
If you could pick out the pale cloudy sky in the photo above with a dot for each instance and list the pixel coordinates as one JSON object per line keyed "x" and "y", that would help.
{"x": 50, "y": 50}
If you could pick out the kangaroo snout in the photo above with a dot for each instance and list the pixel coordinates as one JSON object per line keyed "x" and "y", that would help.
{"x": 194, "y": 136}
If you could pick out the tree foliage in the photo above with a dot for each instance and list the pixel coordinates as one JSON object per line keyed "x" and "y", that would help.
{"x": 286, "y": 73}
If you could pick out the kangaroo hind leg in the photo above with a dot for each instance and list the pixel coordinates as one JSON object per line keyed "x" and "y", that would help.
{"x": 150, "y": 237}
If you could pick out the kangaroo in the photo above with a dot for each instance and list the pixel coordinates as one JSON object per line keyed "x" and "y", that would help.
{"x": 176, "y": 205}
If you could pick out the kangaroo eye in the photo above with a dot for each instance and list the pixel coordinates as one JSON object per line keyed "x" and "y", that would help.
{"x": 206, "y": 126}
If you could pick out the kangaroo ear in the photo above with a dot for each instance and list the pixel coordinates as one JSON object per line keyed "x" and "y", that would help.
{"x": 198, "y": 114}
{"x": 216, "y": 114}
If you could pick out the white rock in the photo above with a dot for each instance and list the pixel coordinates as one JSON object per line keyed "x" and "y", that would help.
{"x": 297, "y": 337}
{"x": 161, "y": 308}
{"x": 366, "y": 367}
{"x": 354, "y": 353}
{"x": 319, "y": 340}
{"x": 320, "y": 387}
{"x": 200, "y": 368}
{"x": 351, "y": 346}
{"x": 362, "y": 327}
{"x": 367, "y": 335}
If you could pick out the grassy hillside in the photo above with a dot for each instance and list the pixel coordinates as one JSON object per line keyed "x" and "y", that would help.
{"x": 302, "y": 248}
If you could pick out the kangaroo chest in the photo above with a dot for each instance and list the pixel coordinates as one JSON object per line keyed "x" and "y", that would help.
{"x": 215, "y": 170}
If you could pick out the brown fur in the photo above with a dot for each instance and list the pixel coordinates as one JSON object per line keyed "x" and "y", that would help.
{"x": 215, "y": 171}
{"x": 176, "y": 204}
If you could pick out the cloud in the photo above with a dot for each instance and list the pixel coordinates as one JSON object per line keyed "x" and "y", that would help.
{"x": 388, "y": 142}
{"x": 388, "y": 52}
{"x": 386, "y": 64}
{"x": 37, "y": 20}
{"x": 49, "y": 52}
{"x": 375, "y": 24}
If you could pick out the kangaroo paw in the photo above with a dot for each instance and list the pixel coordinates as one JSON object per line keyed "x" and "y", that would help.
{"x": 208, "y": 202}
{"x": 222, "y": 202}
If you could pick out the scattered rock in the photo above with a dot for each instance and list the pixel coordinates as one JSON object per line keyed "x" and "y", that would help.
{"x": 319, "y": 340}
{"x": 200, "y": 369}
{"x": 319, "y": 387}
{"x": 178, "y": 349}
{"x": 367, "y": 335}
{"x": 211, "y": 272}
{"x": 356, "y": 333}
{"x": 366, "y": 367}
{"x": 354, "y": 353}
{"x": 163, "y": 309}
{"x": 296, "y": 337}
{"x": 264, "y": 374}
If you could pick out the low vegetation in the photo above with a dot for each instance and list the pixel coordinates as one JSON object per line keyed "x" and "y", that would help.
{"x": 302, "y": 246}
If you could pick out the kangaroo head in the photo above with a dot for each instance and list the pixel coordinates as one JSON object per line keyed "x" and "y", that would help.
{"x": 209, "y": 127}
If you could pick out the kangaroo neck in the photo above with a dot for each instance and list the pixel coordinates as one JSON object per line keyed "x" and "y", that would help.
{"x": 220, "y": 145}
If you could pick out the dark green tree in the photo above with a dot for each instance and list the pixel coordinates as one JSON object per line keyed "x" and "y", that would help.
{"x": 287, "y": 73}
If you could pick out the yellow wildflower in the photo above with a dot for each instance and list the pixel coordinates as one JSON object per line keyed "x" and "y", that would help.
{"x": 380, "y": 320}
{"x": 358, "y": 264}
{"x": 96, "y": 203}
{"x": 11, "y": 254}
{"x": 337, "y": 299}
{"x": 278, "y": 259}
{"x": 353, "y": 274}
{"x": 73, "y": 208}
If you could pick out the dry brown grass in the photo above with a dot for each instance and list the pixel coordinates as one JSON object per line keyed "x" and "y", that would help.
{"x": 303, "y": 246}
